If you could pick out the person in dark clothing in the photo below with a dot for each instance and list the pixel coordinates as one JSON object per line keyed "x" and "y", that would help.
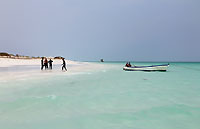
{"x": 50, "y": 64}
{"x": 64, "y": 64}
{"x": 129, "y": 64}
{"x": 42, "y": 63}
{"x": 46, "y": 63}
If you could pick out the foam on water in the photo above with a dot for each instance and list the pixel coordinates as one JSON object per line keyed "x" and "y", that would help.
{"x": 104, "y": 98}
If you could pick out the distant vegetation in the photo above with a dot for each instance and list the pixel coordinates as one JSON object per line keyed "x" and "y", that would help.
{"x": 4, "y": 54}
{"x": 58, "y": 57}
{"x": 17, "y": 56}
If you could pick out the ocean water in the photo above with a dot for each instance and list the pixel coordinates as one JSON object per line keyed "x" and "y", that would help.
{"x": 104, "y": 98}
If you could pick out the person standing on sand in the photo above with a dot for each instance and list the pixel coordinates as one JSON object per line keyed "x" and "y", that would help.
{"x": 46, "y": 63}
{"x": 50, "y": 64}
{"x": 42, "y": 63}
{"x": 64, "y": 64}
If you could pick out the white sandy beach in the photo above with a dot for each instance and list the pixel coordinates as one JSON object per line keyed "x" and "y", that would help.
{"x": 24, "y": 68}
{"x": 8, "y": 62}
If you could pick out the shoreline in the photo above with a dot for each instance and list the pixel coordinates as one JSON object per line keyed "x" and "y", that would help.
{"x": 22, "y": 69}
{"x": 7, "y": 62}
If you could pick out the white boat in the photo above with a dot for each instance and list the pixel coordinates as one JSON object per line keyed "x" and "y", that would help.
{"x": 162, "y": 67}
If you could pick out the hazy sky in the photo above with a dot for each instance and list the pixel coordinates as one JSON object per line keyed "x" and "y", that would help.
{"x": 138, "y": 30}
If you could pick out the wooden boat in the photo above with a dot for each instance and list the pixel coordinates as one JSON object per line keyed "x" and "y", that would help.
{"x": 162, "y": 67}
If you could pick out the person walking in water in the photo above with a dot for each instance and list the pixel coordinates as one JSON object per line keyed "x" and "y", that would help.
{"x": 50, "y": 64}
{"x": 42, "y": 63}
{"x": 46, "y": 63}
{"x": 64, "y": 64}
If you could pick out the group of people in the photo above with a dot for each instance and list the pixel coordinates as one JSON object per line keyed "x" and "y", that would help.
{"x": 128, "y": 64}
{"x": 45, "y": 62}
{"x": 48, "y": 64}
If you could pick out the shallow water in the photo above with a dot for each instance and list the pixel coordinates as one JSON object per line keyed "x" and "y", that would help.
{"x": 105, "y": 98}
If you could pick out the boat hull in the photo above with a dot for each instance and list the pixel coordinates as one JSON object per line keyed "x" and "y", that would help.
{"x": 147, "y": 68}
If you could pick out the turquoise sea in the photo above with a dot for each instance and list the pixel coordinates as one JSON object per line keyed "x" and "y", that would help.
{"x": 105, "y": 98}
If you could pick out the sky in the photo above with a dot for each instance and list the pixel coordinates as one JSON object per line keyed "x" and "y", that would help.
{"x": 115, "y": 30}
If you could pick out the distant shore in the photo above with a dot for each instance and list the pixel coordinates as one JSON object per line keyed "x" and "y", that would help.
{"x": 8, "y": 60}
{"x": 17, "y": 56}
